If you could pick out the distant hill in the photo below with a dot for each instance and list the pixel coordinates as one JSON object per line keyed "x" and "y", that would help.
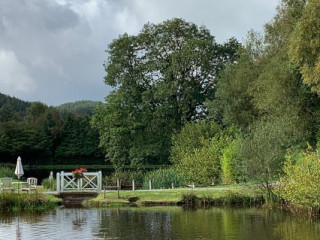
{"x": 17, "y": 108}
{"x": 81, "y": 108}
{"x": 16, "y": 104}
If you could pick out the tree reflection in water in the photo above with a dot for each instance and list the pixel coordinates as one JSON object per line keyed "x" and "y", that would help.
{"x": 160, "y": 223}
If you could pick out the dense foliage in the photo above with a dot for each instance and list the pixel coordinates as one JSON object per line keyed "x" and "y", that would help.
{"x": 41, "y": 135}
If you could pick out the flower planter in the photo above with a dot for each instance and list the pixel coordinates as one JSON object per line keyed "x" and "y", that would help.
{"x": 78, "y": 173}
{"x": 78, "y": 176}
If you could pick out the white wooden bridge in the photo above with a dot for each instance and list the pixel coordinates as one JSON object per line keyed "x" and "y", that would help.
{"x": 90, "y": 182}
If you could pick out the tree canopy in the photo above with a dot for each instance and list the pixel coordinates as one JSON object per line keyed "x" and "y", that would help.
{"x": 162, "y": 77}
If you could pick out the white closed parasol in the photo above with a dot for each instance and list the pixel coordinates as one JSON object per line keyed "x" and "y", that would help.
{"x": 19, "y": 170}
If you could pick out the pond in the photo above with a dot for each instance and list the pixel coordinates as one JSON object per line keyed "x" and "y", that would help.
{"x": 159, "y": 223}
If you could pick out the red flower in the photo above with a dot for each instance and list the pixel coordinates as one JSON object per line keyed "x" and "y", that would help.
{"x": 79, "y": 172}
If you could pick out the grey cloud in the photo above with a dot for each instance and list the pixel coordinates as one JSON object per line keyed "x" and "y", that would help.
{"x": 60, "y": 18}
{"x": 60, "y": 44}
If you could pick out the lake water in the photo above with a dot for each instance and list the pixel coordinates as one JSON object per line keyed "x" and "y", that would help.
{"x": 159, "y": 223}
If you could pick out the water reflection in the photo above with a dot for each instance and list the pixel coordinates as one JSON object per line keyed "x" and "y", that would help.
{"x": 298, "y": 228}
{"x": 159, "y": 223}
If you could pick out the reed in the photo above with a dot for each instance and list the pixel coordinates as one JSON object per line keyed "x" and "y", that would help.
{"x": 163, "y": 178}
{"x": 17, "y": 202}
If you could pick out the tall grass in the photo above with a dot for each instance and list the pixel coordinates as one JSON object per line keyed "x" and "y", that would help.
{"x": 49, "y": 184}
{"x": 124, "y": 177}
{"x": 226, "y": 198}
{"x": 6, "y": 172}
{"x": 16, "y": 202}
{"x": 163, "y": 178}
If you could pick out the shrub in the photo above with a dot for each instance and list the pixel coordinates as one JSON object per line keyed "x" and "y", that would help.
{"x": 49, "y": 184}
{"x": 192, "y": 136}
{"x": 300, "y": 184}
{"x": 202, "y": 166}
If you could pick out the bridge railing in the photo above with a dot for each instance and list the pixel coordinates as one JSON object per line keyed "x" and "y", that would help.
{"x": 90, "y": 182}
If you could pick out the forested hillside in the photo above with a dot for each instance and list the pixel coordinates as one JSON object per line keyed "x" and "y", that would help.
{"x": 42, "y": 135}
{"x": 82, "y": 108}
{"x": 12, "y": 108}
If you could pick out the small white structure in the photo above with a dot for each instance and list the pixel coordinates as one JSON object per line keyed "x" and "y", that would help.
{"x": 90, "y": 182}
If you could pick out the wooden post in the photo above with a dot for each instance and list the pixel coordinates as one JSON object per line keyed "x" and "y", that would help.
{"x": 58, "y": 183}
{"x": 150, "y": 184}
{"x": 62, "y": 181}
{"x": 100, "y": 181}
{"x": 118, "y": 187}
{"x": 104, "y": 192}
{"x": 133, "y": 185}
{"x": 51, "y": 180}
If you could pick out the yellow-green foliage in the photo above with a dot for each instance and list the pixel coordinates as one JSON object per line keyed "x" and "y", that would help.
{"x": 196, "y": 152}
{"x": 202, "y": 166}
{"x": 230, "y": 164}
{"x": 305, "y": 45}
{"x": 300, "y": 184}
{"x": 192, "y": 136}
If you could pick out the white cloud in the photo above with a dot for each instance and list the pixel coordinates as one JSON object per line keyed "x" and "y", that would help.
{"x": 14, "y": 77}
{"x": 125, "y": 21}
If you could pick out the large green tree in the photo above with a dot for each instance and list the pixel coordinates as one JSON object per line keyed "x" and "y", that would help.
{"x": 162, "y": 78}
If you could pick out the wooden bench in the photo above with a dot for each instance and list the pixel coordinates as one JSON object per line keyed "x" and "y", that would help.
{"x": 31, "y": 184}
{"x": 6, "y": 184}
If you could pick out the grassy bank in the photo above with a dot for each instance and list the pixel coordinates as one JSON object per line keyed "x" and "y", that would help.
{"x": 235, "y": 195}
{"x": 17, "y": 202}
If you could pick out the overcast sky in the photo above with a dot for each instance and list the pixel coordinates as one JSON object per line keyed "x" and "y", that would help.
{"x": 53, "y": 50}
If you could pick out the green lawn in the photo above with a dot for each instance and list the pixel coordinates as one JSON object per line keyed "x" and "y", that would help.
{"x": 174, "y": 196}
